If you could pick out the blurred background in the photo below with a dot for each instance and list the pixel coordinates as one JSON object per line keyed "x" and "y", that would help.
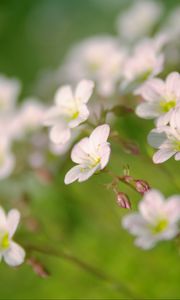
{"x": 83, "y": 219}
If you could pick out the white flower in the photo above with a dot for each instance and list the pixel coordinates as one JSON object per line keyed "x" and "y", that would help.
{"x": 69, "y": 111}
{"x": 12, "y": 253}
{"x": 167, "y": 140}
{"x": 7, "y": 159}
{"x": 144, "y": 63}
{"x": 9, "y": 91}
{"x": 175, "y": 117}
{"x": 99, "y": 58}
{"x": 91, "y": 154}
{"x": 156, "y": 220}
{"x": 161, "y": 97}
{"x": 139, "y": 19}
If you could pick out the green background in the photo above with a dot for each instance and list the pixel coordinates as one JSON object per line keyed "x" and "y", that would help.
{"x": 83, "y": 219}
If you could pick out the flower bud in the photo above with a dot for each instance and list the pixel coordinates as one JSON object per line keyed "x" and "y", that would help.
{"x": 123, "y": 200}
{"x": 141, "y": 186}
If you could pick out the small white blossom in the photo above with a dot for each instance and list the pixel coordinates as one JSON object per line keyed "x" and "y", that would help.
{"x": 161, "y": 97}
{"x": 167, "y": 140}
{"x": 12, "y": 253}
{"x": 69, "y": 111}
{"x": 7, "y": 159}
{"x": 91, "y": 154}
{"x": 145, "y": 62}
{"x": 138, "y": 20}
{"x": 175, "y": 117}
{"x": 156, "y": 220}
{"x": 9, "y": 91}
{"x": 99, "y": 58}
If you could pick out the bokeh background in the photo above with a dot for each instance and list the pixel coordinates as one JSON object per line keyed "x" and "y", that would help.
{"x": 83, "y": 219}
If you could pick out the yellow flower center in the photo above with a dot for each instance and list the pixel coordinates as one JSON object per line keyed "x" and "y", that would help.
{"x": 4, "y": 242}
{"x": 75, "y": 115}
{"x": 160, "y": 226}
{"x": 166, "y": 106}
{"x": 177, "y": 146}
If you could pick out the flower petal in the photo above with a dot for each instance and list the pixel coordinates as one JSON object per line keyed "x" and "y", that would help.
{"x": 84, "y": 91}
{"x": 60, "y": 134}
{"x": 152, "y": 205}
{"x": 173, "y": 83}
{"x": 172, "y": 208}
{"x": 3, "y": 220}
{"x": 135, "y": 224}
{"x": 80, "y": 151}
{"x": 64, "y": 96}
{"x": 13, "y": 218}
{"x": 147, "y": 110}
{"x": 72, "y": 175}
{"x": 162, "y": 155}
{"x": 15, "y": 255}
{"x": 99, "y": 135}
{"x": 156, "y": 138}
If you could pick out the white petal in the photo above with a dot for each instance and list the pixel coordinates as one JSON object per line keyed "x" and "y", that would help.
{"x": 72, "y": 175}
{"x": 177, "y": 156}
{"x": 105, "y": 152}
{"x": 164, "y": 119}
{"x": 147, "y": 110}
{"x": 52, "y": 116}
{"x": 99, "y": 135}
{"x": 156, "y": 138}
{"x": 3, "y": 219}
{"x": 80, "y": 151}
{"x": 13, "y": 218}
{"x": 172, "y": 208}
{"x": 64, "y": 96}
{"x": 162, "y": 155}
{"x": 173, "y": 82}
{"x": 60, "y": 134}
{"x": 84, "y": 91}
{"x": 83, "y": 116}
{"x": 151, "y": 206}
{"x": 152, "y": 90}
{"x": 145, "y": 242}
{"x": 135, "y": 224}
{"x": 15, "y": 255}
{"x": 87, "y": 172}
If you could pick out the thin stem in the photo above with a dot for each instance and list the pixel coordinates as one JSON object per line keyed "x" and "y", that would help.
{"x": 83, "y": 265}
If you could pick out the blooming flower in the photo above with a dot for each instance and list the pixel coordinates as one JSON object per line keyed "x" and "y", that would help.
{"x": 12, "y": 253}
{"x": 156, "y": 220}
{"x": 145, "y": 62}
{"x": 99, "y": 58}
{"x": 9, "y": 90}
{"x": 138, "y": 20}
{"x": 167, "y": 140}
{"x": 7, "y": 160}
{"x": 69, "y": 111}
{"x": 161, "y": 97}
{"x": 91, "y": 154}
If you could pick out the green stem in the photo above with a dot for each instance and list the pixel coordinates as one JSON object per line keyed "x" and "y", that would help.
{"x": 83, "y": 265}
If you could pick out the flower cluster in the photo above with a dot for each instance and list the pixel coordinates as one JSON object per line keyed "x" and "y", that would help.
{"x": 100, "y": 80}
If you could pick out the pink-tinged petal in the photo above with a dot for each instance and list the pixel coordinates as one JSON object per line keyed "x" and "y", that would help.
{"x": 162, "y": 155}
{"x": 175, "y": 117}
{"x": 52, "y": 116}
{"x": 60, "y": 134}
{"x": 99, "y": 135}
{"x": 173, "y": 83}
{"x": 170, "y": 233}
{"x": 147, "y": 110}
{"x": 152, "y": 205}
{"x": 15, "y": 255}
{"x": 13, "y": 218}
{"x": 72, "y": 175}
{"x": 80, "y": 151}
{"x": 64, "y": 96}
{"x": 84, "y": 91}
{"x": 164, "y": 119}
{"x": 145, "y": 242}
{"x": 135, "y": 224}
{"x": 172, "y": 208}
{"x": 152, "y": 90}
{"x": 177, "y": 156}
{"x": 3, "y": 220}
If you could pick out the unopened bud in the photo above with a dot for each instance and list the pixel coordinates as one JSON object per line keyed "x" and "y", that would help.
{"x": 123, "y": 200}
{"x": 141, "y": 186}
{"x": 38, "y": 267}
